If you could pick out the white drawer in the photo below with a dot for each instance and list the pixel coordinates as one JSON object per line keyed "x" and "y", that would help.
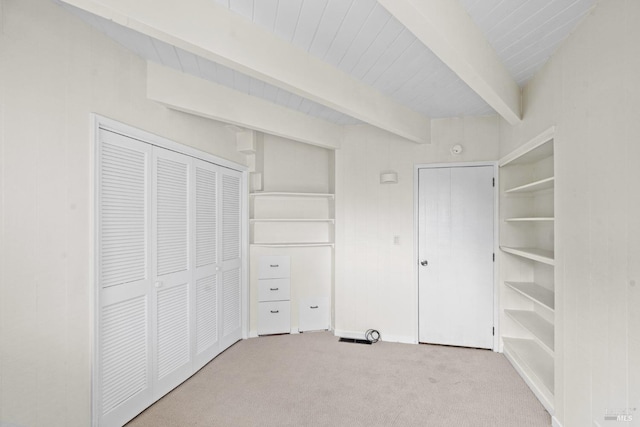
{"x": 274, "y": 317}
{"x": 314, "y": 314}
{"x": 274, "y": 289}
{"x": 273, "y": 267}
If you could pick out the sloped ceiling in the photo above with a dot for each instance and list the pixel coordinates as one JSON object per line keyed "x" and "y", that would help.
{"x": 379, "y": 44}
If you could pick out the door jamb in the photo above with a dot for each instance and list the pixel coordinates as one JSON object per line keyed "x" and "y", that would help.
{"x": 496, "y": 269}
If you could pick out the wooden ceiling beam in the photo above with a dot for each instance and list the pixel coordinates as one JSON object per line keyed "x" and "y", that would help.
{"x": 450, "y": 33}
{"x": 212, "y": 31}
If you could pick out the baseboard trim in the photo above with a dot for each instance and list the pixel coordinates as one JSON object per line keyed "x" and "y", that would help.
{"x": 383, "y": 337}
{"x": 555, "y": 422}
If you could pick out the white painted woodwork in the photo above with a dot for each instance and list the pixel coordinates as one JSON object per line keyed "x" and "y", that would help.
{"x": 314, "y": 314}
{"x": 220, "y": 35}
{"x": 206, "y": 298}
{"x": 535, "y": 254}
{"x": 193, "y": 95}
{"x": 535, "y": 366}
{"x": 448, "y": 31}
{"x": 124, "y": 359}
{"x": 274, "y": 289}
{"x": 541, "y": 329}
{"x": 274, "y": 317}
{"x": 530, "y": 219}
{"x": 456, "y": 240}
{"x": 537, "y": 185}
{"x": 171, "y": 236}
{"x": 535, "y": 293}
{"x": 528, "y": 300}
{"x": 362, "y": 39}
{"x": 525, "y": 34}
{"x": 287, "y": 194}
{"x": 274, "y": 267}
{"x": 274, "y": 294}
{"x": 170, "y": 281}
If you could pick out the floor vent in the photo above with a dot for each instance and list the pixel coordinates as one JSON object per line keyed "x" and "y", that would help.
{"x": 355, "y": 341}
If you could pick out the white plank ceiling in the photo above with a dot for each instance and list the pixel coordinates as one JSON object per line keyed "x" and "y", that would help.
{"x": 366, "y": 42}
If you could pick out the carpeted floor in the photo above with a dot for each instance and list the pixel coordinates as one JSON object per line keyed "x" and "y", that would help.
{"x": 312, "y": 379}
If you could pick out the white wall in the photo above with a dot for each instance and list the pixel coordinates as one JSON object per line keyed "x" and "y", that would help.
{"x": 590, "y": 90}
{"x": 375, "y": 283}
{"x": 55, "y": 71}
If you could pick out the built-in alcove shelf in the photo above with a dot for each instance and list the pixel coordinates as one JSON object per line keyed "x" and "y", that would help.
{"x": 538, "y": 185}
{"x": 254, "y": 220}
{"x": 535, "y": 293}
{"x": 535, "y": 365}
{"x": 290, "y": 194}
{"x": 293, "y": 245}
{"x": 531, "y": 219}
{"x": 535, "y": 254}
{"x": 528, "y": 192}
{"x": 539, "y": 327}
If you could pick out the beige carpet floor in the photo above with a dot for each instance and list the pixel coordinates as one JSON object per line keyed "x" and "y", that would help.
{"x": 311, "y": 379}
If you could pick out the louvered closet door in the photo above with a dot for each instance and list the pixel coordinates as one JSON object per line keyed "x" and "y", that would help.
{"x": 124, "y": 383}
{"x": 172, "y": 287}
{"x": 206, "y": 273}
{"x": 231, "y": 256}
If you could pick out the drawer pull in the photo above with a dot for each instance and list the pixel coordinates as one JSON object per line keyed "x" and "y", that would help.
{"x": 273, "y": 289}
{"x": 313, "y": 306}
{"x": 275, "y": 311}
{"x": 274, "y": 265}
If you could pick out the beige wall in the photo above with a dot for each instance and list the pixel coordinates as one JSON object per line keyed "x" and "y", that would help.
{"x": 375, "y": 283}
{"x": 55, "y": 71}
{"x": 590, "y": 91}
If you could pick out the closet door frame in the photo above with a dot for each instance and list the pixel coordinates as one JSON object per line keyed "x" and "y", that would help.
{"x": 98, "y": 122}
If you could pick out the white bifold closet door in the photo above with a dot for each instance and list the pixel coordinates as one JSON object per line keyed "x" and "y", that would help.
{"x": 169, "y": 260}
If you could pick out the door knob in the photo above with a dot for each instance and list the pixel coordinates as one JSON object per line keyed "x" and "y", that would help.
{"x": 424, "y": 263}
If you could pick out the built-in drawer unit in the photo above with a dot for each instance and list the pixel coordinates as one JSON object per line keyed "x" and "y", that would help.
{"x": 314, "y": 314}
{"x": 273, "y": 290}
{"x": 274, "y": 317}
{"x": 274, "y": 293}
{"x": 273, "y": 267}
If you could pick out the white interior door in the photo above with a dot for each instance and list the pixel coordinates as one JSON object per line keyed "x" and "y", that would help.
{"x": 231, "y": 266}
{"x": 207, "y": 266}
{"x": 171, "y": 269}
{"x": 456, "y": 254}
{"x": 124, "y": 374}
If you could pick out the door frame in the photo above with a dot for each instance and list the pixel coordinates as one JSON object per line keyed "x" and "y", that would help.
{"x": 416, "y": 241}
{"x": 98, "y": 122}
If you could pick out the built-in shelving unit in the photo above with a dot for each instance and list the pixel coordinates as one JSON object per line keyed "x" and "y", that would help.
{"x": 291, "y": 194}
{"x": 292, "y": 245}
{"x": 535, "y": 293}
{"x": 289, "y": 219}
{"x": 527, "y": 263}
{"x": 536, "y": 254}
{"x": 530, "y": 219}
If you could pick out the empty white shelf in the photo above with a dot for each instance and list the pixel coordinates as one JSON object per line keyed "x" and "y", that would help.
{"x": 539, "y": 327}
{"x": 540, "y": 255}
{"x": 293, "y": 245}
{"x": 542, "y": 184}
{"x": 531, "y": 219}
{"x": 535, "y": 366}
{"x": 254, "y": 220}
{"x": 534, "y": 292}
{"x": 288, "y": 194}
